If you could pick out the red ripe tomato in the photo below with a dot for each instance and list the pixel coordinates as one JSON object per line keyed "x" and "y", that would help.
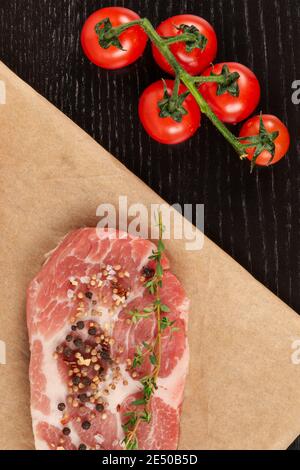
{"x": 229, "y": 108}
{"x": 197, "y": 60}
{"x": 133, "y": 40}
{"x": 165, "y": 129}
{"x": 272, "y": 124}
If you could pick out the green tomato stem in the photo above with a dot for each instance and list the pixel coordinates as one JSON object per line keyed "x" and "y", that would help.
{"x": 180, "y": 38}
{"x": 120, "y": 29}
{"x": 189, "y": 81}
{"x": 176, "y": 89}
{"x": 210, "y": 78}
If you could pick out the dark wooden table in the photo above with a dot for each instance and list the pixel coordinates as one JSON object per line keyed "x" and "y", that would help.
{"x": 255, "y": 218}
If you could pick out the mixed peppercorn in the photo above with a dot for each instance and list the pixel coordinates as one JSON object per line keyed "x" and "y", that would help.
{"x": 86, "y": 351}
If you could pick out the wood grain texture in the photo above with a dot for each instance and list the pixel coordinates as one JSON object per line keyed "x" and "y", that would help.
{"x": 255, "y": 218}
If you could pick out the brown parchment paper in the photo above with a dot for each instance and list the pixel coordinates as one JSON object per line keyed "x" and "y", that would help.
{"x": 243, "y": 391}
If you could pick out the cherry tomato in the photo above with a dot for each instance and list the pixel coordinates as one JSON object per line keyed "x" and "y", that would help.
{"x": 272, "y": 124}
{"x": 133, "y": 40}
{"x": 195, "y": 61}
{"x": 165, "y": 129}
{"x": 229, "y": 108}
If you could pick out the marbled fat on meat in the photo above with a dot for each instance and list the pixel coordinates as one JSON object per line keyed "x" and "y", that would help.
{"x": 83, "y": 341}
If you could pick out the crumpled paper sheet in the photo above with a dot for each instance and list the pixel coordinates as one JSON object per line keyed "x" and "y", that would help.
{"x": 243, "y": 391}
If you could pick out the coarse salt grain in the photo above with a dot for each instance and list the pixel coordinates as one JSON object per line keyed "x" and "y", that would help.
{"x": 70, "y": 294}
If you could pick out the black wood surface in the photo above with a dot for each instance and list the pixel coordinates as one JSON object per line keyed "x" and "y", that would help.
{"x": 255, "y": 218}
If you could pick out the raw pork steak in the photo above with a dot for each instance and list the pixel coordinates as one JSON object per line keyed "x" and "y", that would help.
{"x": 83, "y": 341}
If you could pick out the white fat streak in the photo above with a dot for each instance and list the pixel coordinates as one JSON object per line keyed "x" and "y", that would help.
{"x": 119, "y": 395}
{"x": 56, "y": 389}
{"x": 171, "y": 388}
{"x": 40, "y": 444}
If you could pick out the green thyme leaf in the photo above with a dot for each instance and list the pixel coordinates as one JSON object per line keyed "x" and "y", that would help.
{"x": 153, "y": 359}
{"x": 149, "y": 386}
{"x": 159, "y": 270}
{"x": 166, "y": 323}
{"x": 164, "y": 308}
{"x": 146, "y": 416}
{"x": 131, "y": 444}
{"x": 137, "y": 361}
{"x": 161, "y": 246}
{"x": 130, "y": 413}
{"x": 174, "y": 329}
{"x": 141, "y": 401}
{"x": 136, "y": 316}
{"x": 147, "y": 345}
{"x": 148, "y": 310}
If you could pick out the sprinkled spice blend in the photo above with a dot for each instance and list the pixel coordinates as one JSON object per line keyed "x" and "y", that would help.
{"x": 87, "y": 356}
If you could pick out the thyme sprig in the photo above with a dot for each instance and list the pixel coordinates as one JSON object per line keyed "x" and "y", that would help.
{"x": 153, "y": 351}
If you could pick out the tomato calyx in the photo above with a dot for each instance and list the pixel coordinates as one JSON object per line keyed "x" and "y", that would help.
{"x": 191, "y": 36}
{"x": 172, "y": 104}
{"x": 264, "y": 141}
{"x": 229, "y": 83}
{"x": 195, "y": 40}
{"x": 107, "y": 35}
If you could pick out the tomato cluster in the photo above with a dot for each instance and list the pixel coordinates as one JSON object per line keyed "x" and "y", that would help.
{"x": 168, "y": 112}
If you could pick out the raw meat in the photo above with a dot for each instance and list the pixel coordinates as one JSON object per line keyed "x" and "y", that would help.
{"x": 83, "y": 342}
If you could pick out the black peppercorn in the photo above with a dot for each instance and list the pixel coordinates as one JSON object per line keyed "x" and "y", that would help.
{"x": 148, "y": 272}
{"x": 76, "y": 380}
{"x": 82, "y": 447}
{"x": 80, "y": 325}
{"x": 92, "y": 331}
{"x": 83, "y": 397}
{"x": 86, "y": 425}
{"x": 105, "y": 355}
{"x": 67, "y": 352}
{"x": 89, "y": 295}
{"x": 61, "y": 406}
{"x": 66, "y": 431}
{"x": 86, "y": 381}
{"x": 78, "y": 342}
{"x": 99, "y": 407}
{"x": 73, "y": 327}
{"x": 69, "y": 338}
